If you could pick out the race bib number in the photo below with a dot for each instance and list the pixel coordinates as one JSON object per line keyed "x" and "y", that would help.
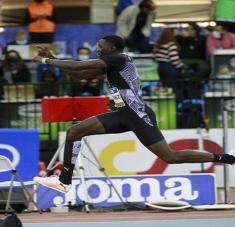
{"x": 118, "y": 101}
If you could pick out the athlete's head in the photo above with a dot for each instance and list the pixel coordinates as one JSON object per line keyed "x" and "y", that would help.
{"x": 110, "y": 45}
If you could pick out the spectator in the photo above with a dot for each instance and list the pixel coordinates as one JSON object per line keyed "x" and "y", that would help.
{"x": 83, "y": 53}
{"x": 48, "y": 86}
{"x": 86, "y": 87}
{"x": 219, "y": 39}
{"x": 122, "y": 4}
{"x": 50, "y": 81}
{"x": 43, "y": 69}
{"x": 134, "y": 25}
{"x": 21, "y": 38}
{"x": 166, "y": 52}
{"x": 192, "y": 52}
{"x": 13, "y": 69}
{"x": 192, "y": 43}
{"x": 41, "y": 21}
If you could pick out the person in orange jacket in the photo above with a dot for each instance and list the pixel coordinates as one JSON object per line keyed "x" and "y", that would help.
{"x": 41, "y": 21}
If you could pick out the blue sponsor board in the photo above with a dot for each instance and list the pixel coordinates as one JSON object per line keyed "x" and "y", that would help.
{"x": 21, "y": 146}
{"x": 77, "y": 35}
{"x": 196, "y": 189}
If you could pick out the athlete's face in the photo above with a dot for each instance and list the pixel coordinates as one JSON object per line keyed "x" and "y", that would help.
{"x": 104, "y": 48}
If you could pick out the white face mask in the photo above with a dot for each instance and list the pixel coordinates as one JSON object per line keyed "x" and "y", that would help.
{"x": 83, "y": 57}
{"x": 21, "y": 42}
{"x": 216, "y": 34}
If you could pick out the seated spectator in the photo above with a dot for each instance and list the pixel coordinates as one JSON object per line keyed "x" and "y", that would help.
{"x": 83, "y": 53}
{"x": 192, "y": 52}
{"x": 43, "y": 70}
{"x": 41, "y": 21}
{"x": 13, "y": 69}
{"x": 86, "y": 87}
{"x": 134, "y": 25}
{"x": 21, "y": 38}
{"x": 219, "y": 39}
{"x": 166, "y": 52}
{"x": 50, "y": 81}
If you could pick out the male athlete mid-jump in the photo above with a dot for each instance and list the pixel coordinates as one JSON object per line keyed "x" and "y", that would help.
{"x": 130, "y": 114}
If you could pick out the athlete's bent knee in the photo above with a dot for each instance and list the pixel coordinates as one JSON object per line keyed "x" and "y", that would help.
{"x": 72, "y": 134}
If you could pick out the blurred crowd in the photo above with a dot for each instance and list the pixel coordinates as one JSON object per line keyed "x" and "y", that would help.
{"x": 180, "y": 53}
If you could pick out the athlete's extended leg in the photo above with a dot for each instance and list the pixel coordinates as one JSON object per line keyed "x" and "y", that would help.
{"x": 104, "y": 123}
{"x": 91, "y": 126}
{"x": 163, "y": 151}
{"x": 153, "y": 139}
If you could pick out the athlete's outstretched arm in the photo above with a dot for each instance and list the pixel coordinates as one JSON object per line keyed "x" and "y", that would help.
{"x": 77, "y": 65}
{"x": 74, "y": 65}
{"x": 45, "y": 52}
{"x": 84, "y": 73}
{"x": 68, "y": 65}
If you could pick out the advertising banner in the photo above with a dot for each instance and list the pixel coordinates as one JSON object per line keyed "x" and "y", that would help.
{"x": 123, "y": 154}
{"x": 22, "y": 148}
{"x": 196, "y": 189}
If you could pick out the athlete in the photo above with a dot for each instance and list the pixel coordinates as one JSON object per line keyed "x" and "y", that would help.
{"x": 130, "y": 114}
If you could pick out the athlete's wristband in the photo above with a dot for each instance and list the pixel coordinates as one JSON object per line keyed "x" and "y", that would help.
{"x": 44, "y": 60}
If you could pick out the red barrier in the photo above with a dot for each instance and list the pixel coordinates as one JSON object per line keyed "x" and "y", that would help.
{"x": 63, "y": 109}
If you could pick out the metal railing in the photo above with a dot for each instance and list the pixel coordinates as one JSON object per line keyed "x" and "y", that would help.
{"x": 183, "y": 105}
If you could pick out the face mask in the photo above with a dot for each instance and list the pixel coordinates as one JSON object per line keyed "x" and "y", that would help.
{"x": 216, "y": 34}
{"x": 13, "y": 59}
{"x": 83, "y": 57}
{"x": 21, "y": 42}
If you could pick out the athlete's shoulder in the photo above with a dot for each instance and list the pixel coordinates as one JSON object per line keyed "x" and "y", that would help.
{"x": 126, "y": 57}
{"x": 116, "y": 61}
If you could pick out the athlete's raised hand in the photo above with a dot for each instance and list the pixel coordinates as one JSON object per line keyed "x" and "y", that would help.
{"x": 45, "y": 52}
{"x": 37, "y": 59}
